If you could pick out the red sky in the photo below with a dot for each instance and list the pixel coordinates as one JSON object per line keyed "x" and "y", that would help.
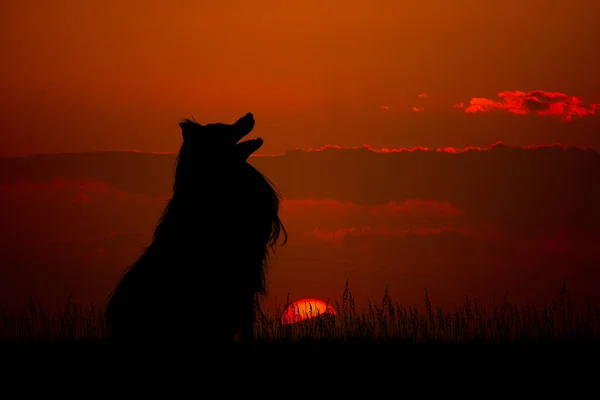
{"x": 104, "y": 75}
{"x": 477, "y": 222}
{"x": 110, "y": 75}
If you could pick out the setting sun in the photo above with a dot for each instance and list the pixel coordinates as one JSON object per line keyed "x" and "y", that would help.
{"x": 305, "y": 309}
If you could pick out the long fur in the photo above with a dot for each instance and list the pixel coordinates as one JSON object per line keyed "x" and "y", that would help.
{"x": 204, "y": 273}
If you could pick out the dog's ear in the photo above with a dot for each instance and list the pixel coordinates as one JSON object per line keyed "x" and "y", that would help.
{"x": 247, "y": 147}
{"x": 187, "y": 128}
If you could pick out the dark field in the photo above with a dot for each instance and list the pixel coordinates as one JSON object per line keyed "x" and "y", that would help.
{"x": 382, "y": 327}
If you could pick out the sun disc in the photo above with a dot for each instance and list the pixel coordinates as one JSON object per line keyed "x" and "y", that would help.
{"x": 304, "y": 309}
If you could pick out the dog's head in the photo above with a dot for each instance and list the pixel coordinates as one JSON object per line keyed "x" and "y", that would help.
{"x": 221, "y": 140}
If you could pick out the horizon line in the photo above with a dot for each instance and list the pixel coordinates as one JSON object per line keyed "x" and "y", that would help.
{"x": 329, "y": 147}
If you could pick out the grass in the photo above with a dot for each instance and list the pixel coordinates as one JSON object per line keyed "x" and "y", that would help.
{"x": 385, "y": 341}
{"x": 383, "y": 322}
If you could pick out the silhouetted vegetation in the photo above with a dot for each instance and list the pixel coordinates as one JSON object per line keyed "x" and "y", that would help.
{"x": 383, "y": 321}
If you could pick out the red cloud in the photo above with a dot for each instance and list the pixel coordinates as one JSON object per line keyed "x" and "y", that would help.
{"x": 447, "y": 149}
{"x": 338, "y": 236}
{"x": 453, "y": 150}
{"x": 413, "y": 206}
{"x": 329, "y": 215}
{"x": 61, "y": 208}
{"x": 539, "y": 102}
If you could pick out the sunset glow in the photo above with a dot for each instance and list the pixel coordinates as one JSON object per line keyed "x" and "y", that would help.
{"x": 304, "y": 309}
{"x": 447, "y": 145}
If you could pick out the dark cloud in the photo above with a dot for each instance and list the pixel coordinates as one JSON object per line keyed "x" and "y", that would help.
{"x": 513, "y": 189}
{"x": 517, "y": 190}
{"x": 482, "y": 220}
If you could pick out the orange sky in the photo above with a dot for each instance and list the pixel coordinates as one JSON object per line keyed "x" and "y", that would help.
{"x": 103, "y": 75}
